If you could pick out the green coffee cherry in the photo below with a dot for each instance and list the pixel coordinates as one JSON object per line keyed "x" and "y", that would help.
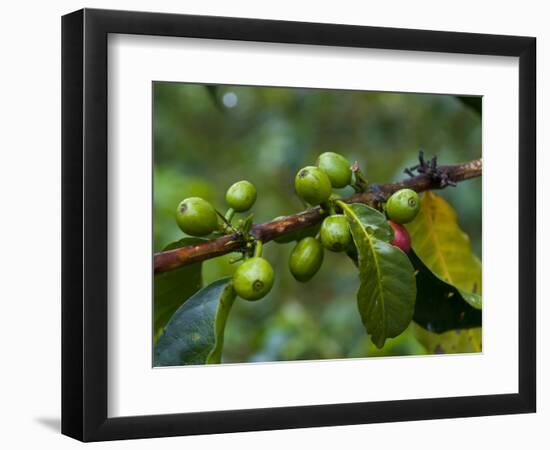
{"x": 313, "y": 185}
{"x": 306, "y": 259}
{"x": 253, "y": 279}
{"x": 336, "y": 167}
{"x": 241, "y": 196}
{"x": 335, "y": 233}
{"x": 196, "y": 217}
{"x": 403, "y": 206}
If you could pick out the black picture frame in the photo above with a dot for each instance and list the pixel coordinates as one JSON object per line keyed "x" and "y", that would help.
{"x": 84, "y": 224}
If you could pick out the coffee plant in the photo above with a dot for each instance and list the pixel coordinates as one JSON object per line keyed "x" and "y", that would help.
{"x": 414, "y": 263}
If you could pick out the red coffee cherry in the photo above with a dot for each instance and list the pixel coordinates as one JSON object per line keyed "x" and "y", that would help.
{"x": 401, "y": 237}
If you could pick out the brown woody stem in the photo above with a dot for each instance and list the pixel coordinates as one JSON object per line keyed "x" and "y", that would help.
{"x": 265, "y": 232}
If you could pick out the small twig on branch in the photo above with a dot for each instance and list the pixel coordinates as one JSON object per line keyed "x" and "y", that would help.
{"x": 430, "y": 178}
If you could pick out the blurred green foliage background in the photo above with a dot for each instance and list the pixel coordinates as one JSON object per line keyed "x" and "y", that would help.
{"x": 208, "y": 137}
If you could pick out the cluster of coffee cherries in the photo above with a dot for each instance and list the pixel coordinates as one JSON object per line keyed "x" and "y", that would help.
{"x": 253, "y": 279}
{"x": 314, "y": 185}
{"x": 401, "y": 208}
{"x": 195, "y": 216}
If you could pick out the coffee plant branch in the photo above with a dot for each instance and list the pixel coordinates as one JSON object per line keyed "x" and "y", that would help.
{"x": 431, "y": 177}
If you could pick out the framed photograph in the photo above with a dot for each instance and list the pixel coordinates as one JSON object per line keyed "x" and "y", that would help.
{"x": 272, "y": 224}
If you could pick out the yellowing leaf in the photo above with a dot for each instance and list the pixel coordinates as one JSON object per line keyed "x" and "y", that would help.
{"x": 456, "y": 341}
{"x": 444, "y": 248}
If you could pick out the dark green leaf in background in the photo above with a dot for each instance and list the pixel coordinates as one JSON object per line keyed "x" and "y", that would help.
{"x": 173, "y": 288}
{"x": 387, "y": 291}
{"x": 471, "y": 101}
{"x": 194, "y": 334}
{"x": 213, "y": 93}
{"x": 440, "y": 306}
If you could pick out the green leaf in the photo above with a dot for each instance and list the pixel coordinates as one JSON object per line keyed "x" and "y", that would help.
{"x": 374, "y": 222}
{"x": 456, "y": 341}
{"x": 194, "y": 334}
{"x": 387, "y": 291}
{"x": 445, "y": 249}
{"x": 440, "y": 306}
{"x": 174, "y": 287}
